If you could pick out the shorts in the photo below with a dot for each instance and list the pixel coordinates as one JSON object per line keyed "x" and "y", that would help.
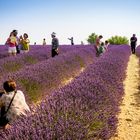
{"x": 24, "y": 51}
{"x": 12, "y": 50}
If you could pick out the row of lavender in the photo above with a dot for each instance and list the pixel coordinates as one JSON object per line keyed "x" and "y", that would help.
{"x": 138, "y": 51}
{"x": 4, "y": 50}
{"x": 12, "y": 64}
{"x": 138, "y": 54}
{"x": 49, "y": 74}
{"x": 36, "y": 48}
{"x": 84, "y": 109}
{"x": 37, "y": 54}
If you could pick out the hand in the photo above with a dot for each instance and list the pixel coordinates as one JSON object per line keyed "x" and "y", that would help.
{"x": 56, "y": 50}
{"x": 7, "y": 126}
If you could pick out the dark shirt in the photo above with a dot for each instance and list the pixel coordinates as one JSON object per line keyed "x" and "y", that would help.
{"x": 71, "y": 39}
{"x": 133, "y": 41}
{"x": 55, "y": 43}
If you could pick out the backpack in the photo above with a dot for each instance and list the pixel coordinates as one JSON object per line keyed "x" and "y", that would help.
{"x": 3, "y": 118}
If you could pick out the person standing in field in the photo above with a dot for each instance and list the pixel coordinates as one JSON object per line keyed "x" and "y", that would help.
{"x": 82, "y": 43}
{"x": 44, "y": 42}
{"x": 101, "y": 48}
{"x": 106, "y": 45}
{"x": 15, "y": 32}
{"x": 71, "y": 39}
{"x": 55, "y": 44}
{"x": 133, "y": 43}
{"x": 97, "y": 44}
{"x": 24, "y": 41}
{"x": 12, "y": 43}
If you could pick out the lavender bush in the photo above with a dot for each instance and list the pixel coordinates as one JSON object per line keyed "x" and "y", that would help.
{"x": 3, "y": 51}
{"x": 84, "y": 109}
{"x": 37, "y": 53}
{"x": 12, "y": 64}
{"x": 49, "y": 74}
{"x": 138, "y": 51}
{"x": 41, "y": 50}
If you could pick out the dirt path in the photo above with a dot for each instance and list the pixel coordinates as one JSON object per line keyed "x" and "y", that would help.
{"x": 129, "y": 117}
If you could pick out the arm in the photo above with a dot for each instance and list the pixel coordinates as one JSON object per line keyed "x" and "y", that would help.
{"x": 133, "y": 39}
{"x": 27, "y": 41}
{"x": 1, "y": 101}
{"x": 7, "y": 41}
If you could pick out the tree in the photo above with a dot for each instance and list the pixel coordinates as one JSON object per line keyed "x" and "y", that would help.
{"x": 118, "y": 40}
{"x": 92, "y": 38}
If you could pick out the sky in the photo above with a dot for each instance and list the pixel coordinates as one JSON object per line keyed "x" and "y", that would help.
{"x": 69, "y": 18}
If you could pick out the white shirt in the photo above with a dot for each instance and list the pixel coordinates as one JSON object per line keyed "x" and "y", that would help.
{"x": 18, "y": 106}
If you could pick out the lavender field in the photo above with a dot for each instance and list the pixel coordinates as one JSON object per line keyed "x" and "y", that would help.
{"x": 85, "y": 108}
{"x": 37, "y": 71}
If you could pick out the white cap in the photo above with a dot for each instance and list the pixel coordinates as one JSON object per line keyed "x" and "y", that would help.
{"x": 53, "y": 33}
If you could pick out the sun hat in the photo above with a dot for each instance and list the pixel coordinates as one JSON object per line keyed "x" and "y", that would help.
{"x": 53, "y": 34}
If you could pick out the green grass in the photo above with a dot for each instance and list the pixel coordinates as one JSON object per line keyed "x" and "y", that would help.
{"x": 80, "y": 60}
{"x": 11, "y": 66}
{"x": 32, "y": 88}
{"x": 30, "y": 60}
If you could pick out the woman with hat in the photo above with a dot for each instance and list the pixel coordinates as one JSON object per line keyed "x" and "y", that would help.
{"x": 55, "y": 44}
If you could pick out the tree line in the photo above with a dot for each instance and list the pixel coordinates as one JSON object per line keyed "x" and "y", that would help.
{"x": 114, "y": 40}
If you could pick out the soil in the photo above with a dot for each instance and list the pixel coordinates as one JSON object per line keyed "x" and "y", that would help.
{"x": 129, "y": 117}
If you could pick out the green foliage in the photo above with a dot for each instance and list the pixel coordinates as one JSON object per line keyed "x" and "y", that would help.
{"x": 32, "y": 89}
{"x": 30, "y": 60}
{"x": 79, "y": 59}
{"x": 118, "y": 40}
{"x": 11, "y": 66}
{"x": 92, "y": 38}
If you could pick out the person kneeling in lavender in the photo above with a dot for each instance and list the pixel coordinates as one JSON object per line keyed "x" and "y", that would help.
{"x": 14, "y": 102}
